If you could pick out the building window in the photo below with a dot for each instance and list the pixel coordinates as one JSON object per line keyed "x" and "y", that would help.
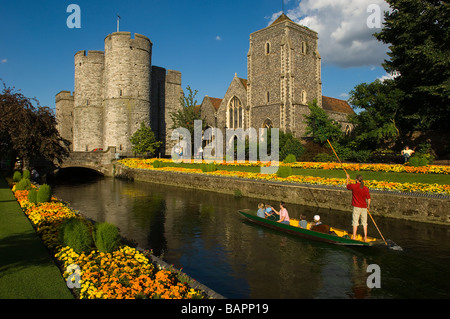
{"x": 120, "y": 92}
{"x": 235, "y": 115}
{"x": 303, "y": 97}
{"x": 267, "y": 97}
{"x": 303, "y": 47}
{"x": 267, "y": 48}
{"x": 267, "y": 124}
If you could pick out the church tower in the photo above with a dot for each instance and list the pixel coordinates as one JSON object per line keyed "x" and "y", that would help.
{"x": 283, "y": 65}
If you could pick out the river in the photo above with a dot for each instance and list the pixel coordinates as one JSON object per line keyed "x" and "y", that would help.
{"x": 202, "y": 233}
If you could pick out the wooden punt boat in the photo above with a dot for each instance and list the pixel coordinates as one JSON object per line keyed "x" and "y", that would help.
{"x": 333, "y": 235}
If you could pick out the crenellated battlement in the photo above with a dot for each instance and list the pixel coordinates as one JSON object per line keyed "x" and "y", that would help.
{"x": 113, "y": 94}
{"x": 123, "y": 40}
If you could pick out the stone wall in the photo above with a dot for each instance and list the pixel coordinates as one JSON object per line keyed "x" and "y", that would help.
{"x": 64, "y": 102}
{"x": 415, "y": 208}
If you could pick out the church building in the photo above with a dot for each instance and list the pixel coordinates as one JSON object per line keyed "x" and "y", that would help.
{"x": 283, "y": 76}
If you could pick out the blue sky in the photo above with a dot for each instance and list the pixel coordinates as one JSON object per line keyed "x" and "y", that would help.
{"x": 207, "y": 41}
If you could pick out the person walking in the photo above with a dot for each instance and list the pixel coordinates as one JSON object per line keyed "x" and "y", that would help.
{"x": 360, "y": 203}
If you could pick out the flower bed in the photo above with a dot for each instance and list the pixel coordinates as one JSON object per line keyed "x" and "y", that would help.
{"x": 373, "y": 184}
{"x": 122, "y": 274}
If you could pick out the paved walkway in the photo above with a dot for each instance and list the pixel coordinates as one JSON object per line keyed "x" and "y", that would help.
{"x": 27, "y": 271}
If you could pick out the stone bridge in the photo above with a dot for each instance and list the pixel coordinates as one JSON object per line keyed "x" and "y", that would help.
{"x": 99, "y": 161}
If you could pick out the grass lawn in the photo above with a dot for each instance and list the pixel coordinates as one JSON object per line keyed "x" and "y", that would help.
{"x": 27, "y": 271}
{"x": 368, "y": 175}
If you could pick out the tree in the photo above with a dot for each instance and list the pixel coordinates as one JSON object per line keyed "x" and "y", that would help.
{"x": 376, "y": 125}
{"x": 320, "y": 126}
{"x": 143, "y": 140}
{"x": 418, "y": 32}
{"x": 188, "y": 113}
{"x": 29, "y": 131}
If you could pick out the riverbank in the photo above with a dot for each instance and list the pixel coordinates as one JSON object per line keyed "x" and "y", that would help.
{"x": 27, "y": 271}
{"x": 414, "y": 206}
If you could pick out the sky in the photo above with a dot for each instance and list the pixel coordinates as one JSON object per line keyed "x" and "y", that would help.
{"x": 207, "y": 40}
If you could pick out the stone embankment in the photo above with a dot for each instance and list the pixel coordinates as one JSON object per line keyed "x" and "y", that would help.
{"x": 413, "y": 207}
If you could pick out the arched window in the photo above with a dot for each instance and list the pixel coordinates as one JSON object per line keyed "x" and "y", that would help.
{"x": 267, "y": 124}
{"x": 235, "y": 115}
{"x": 303, "y": 97}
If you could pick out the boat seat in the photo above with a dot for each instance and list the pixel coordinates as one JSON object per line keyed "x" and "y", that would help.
{"x": 322, "y": 228}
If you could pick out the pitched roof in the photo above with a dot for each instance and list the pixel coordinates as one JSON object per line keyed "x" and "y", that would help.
{"x": 336, "y": 105}
{"x": 244, "y": 82}
{"x": 215, "y": 102}
{"x": 281, "y": 18}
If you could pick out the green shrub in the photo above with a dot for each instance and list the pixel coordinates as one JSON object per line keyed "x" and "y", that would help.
{"x": 106, "y": 237}
{"x": 361, "y": 156}
{"x": 26, "y": 174}
{"x": 423, "y": 161}
{"x": 324, "y": 157}
{"x": 44, "y": 194}
{"x": 414, "y": 161}
{"x": 17, "y": 176}
{"x": 211, "y": 167}
{"x": 32, "y": 195}
{"x": 74, "y": 233}
{"x": 290, "y": 159}
{"x": 284, "y": 171}
{"x": 23, "y": 184}
{"x": 158, "y": 164}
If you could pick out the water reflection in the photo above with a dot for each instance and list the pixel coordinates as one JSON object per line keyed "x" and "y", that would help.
{"x": 202, "y": 233}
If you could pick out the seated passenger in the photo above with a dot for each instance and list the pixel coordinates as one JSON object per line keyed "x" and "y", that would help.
{"x": 269, "y": 211}
{"x": 261, "y": 211}
{"x": 284, "y": 216}
{"x": 318, "y": 226}
{"x": 303, "y": 223}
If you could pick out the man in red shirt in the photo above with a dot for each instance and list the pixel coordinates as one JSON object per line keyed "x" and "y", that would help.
{"x": 360, "y": 203}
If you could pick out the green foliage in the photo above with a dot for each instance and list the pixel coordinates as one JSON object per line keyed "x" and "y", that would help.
{"x": 186, "y": 116}
{"x": 143, "y": 140}
{"x": 320, "y": 126}
{"x": 29, "y": 131}
{"x": 26, "y": 174}
{"x": 417, "y": 34}
{"x": 44, "y": 194}
{"x": 74, "y": 233}
{"x": 106, "y": 237}
{"x": 32, "y": 195}
{"x": 158, "y": 164}
{"x": 289, "y": 145}
{"x": 237, "y": 193}
{"x": 418, "y": 160}
{"x": 284, "y": 171}
{"x": 17, "y": 176}
{"x": 211, "y": 167}
{"x": 324, "y": 157}
{"x": 375, "y": 124}
{"x": 290, "y": 159}
{"x": 23, "y": 184}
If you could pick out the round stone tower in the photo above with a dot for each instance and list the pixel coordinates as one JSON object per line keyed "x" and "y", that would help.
{"x": 126, "y": 79}
{"x": 88, "y": 110}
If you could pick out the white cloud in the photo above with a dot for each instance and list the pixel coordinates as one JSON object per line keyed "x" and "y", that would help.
{"x": 345, "y": 39}
{"x": 218, "y": 38}
{"x": 4, "y": 60}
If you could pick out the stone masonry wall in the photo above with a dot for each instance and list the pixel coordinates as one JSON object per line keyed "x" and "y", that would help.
{"x": 414, "y": 208}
